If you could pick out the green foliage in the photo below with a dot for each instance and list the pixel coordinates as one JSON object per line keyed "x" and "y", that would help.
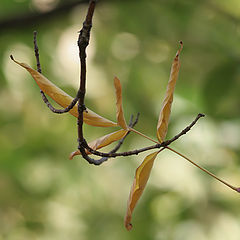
{"x": 221, "y": 81}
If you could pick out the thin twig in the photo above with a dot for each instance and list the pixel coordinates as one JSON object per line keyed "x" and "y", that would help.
{"x": 137, "y": 151}
{"x": 45, "y": 100}
{"x": 117, "y": 147}
{"x": 184, "y": 131}
{"x": 131, "y": 125}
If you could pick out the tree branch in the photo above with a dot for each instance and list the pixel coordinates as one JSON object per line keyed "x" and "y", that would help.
{"x": 131, "y": 125}
{"x": 185, "y": 130}
{"x": 44, "y": 97}
{"x": 137, "y": 151}
{"x": 116, "y": 148}
{"x": 83, "y": 41}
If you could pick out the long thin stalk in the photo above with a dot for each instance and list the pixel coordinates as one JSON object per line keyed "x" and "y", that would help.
{"x": 143, "y": 135}
{"x": 237, "y": 189}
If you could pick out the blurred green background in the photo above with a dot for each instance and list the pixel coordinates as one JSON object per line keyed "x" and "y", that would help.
{"x": 44, "y": 196}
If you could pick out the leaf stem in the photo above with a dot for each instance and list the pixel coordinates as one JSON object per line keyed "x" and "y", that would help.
{"x": 143, "y": 135}
{"x": 237, "y": 189}
{"x": 137, "y": 151}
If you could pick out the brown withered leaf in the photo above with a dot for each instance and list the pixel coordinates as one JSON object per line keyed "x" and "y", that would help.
{"x": 63, "y": 99}
{"x": 103, "y": 141}
{"x": 141, "y": 177}
{"x": 165, "y": 112}
{"x": 120, "y": 116}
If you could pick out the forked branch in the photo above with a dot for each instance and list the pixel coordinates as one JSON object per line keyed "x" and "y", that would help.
{"x": 83, "y": 43}
{"x": 143, "y": 171}
{"x": 39, "y": 69}
{"x": 137, "y": 151}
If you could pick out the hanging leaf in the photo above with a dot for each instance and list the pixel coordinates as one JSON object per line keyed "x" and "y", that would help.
{"x": 102, "y": 141}
{"x": 120, "y": 116}
{"x": 93, "y": 119}
{"x": 141, "y": 177}
{"x": 165, "y": 112}
{"x": 63, "y": 99}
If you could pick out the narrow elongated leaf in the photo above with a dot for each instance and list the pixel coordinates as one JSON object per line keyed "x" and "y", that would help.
{"x": 141, "y": 177}
{"x": 63, "y": 99}
{"x": 120, "y": 116}
{"x": 103, "y": 141}
{"x": 165, "y": 112}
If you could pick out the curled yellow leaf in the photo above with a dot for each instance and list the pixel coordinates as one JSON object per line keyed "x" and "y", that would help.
{"x": 120, "y": 116}
{"x": 141, "y": 177}
{"x": 103, "y": 141}
{"x": 63, "y": 99}
{"x": 165, "y": 112}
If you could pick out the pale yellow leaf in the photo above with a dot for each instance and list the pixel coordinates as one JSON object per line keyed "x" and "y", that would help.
{"x": 120, "y": 116}
{"x": 165, "y": 112}
{"x": 63, "y": 99}
{"x": 103, "y": 141}
{"x": 141, "y": 177}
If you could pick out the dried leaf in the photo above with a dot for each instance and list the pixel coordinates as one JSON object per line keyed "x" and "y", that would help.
{"x": 165, "y": 112}
{"x": 108, "y": 139}
{"x": 63, "y": 99}
{"x": 103, "y": 141}
{"x": 141, "y": 177}
{"x": 120, "y": 116}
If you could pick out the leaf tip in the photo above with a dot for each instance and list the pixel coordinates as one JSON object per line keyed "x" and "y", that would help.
{"x": 129, "y": 226}
{"x": 116, "y": 80}
{"x": 127, "y": 222}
